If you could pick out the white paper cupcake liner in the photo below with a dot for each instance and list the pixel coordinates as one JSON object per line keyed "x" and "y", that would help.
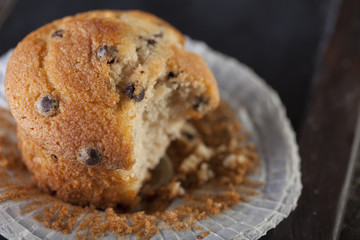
{"x": 262, "y": 115}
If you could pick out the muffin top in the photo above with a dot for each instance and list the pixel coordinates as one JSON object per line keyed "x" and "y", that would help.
{"x": 72, "y": 84}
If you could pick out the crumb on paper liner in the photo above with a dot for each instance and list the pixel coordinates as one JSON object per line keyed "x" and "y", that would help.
{"x": 228, "y": 158}
{"x": 211, "y": 228}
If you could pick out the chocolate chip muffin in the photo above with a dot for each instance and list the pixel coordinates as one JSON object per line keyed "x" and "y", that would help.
{"x": 98, "y": 97}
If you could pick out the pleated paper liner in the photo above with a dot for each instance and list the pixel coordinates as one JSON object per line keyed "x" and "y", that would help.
{"x": 262, "y": 114}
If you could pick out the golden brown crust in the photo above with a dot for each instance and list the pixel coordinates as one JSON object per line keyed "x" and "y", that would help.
{"x": 74, "y": 182}
{"x": 9, "y": 153}
{"x": 41, "y": 65}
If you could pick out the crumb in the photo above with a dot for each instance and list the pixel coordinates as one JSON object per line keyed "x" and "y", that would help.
{"x": 203, "y": 234}
{"x": 205, "y": 173}
{"x": 10, "y": 157}
{"x": 190, "y": 164}
{"x": 233, "y": 160}
{"x": 212, "y": 152}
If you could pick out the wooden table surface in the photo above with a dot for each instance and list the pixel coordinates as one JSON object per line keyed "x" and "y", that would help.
{"x": 329, "y": 140}
{"x": 328, "y": 206}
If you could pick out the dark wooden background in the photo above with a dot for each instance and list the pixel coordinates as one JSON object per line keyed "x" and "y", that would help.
{"x": 307, "y": 50}
{"x": 279, "y": 39}
{"x": 329, "y": 138}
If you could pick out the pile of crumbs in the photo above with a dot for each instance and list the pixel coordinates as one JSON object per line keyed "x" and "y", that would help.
{"x": 211, "y": 163}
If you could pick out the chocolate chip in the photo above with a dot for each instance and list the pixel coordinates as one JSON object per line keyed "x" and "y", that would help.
{"x": 54, "y": 158}
{"x": 141, "y": 72}
{"x": 188, "y": 135}
{"x": 58, "y": 33}
{"x": 111, "y": 61}
{"x": 158, "y": 35}
{"x": 90, "y": 156}
{"x": 47, "y": 105}
{"x": 151, "y": 42}
{"x": 106, "y": 53}
{"x": 52, "y": 193}
{"x": 130, "y": 91}
{"x": 199, "y": 103}
{"x": 173, "y": 75}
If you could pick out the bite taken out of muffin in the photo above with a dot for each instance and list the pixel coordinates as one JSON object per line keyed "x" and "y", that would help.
{"x": 98, "y": 97}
